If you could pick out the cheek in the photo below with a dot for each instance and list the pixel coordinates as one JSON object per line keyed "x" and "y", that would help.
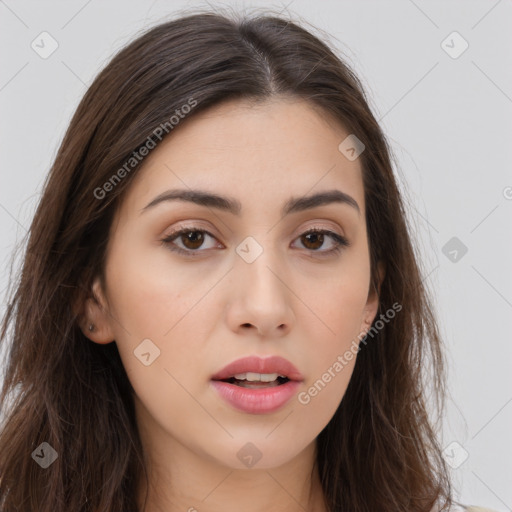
{"x": 163, "y": 313}
{"x": 333, "y": 348}
{"x": 331, "y": 366}
{"x": 322, "y": 394}
{"x": 149, "y": 297}
{"x": 338, "y": 304}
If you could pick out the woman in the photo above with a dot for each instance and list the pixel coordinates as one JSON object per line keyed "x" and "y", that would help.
{"x": 220, "y": 305}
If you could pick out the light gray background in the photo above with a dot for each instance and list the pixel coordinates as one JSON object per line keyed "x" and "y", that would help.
{"x": 449, "y": 123}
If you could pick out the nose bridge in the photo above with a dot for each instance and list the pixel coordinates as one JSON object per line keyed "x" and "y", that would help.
{"x": 262, "y": 295}
{"x": 258, "y": 263}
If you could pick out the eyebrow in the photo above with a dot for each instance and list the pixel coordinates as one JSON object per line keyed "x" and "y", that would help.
{"x": 232, "y": 205}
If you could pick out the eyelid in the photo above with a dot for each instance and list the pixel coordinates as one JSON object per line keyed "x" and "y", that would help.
{"x": 318, "y": 224}
{"x": 312, "y": 225}
{"x": 178, "y": 231}
{"x": 193, "y": 226}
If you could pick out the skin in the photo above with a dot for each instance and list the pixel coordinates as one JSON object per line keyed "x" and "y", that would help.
{"x": 207, "y": 311}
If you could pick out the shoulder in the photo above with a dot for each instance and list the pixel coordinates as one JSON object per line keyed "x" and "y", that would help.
{"x": 459, "y": 507}
{"x": 469, "y": 508}
{"x": 478, "y": 509}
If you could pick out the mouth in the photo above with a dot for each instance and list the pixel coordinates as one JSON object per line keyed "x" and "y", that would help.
{"x": 257, "y": 386}
{"x": 252, "y": 380}
{"x": 259, "y": 372}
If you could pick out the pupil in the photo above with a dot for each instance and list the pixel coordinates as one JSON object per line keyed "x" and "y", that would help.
{"x": 319, "y": 237}
{"x": 190, "y": 238}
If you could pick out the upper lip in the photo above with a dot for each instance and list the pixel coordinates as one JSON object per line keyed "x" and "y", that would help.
{"x": 255, "y": 364}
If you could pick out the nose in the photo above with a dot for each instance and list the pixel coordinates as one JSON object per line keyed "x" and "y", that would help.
{"x": 260, "y": 297}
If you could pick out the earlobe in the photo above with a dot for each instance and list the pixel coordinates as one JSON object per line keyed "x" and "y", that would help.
{"x": 95, "y": 321}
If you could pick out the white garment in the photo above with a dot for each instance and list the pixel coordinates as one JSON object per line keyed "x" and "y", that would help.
{"x": 469, "y": 508}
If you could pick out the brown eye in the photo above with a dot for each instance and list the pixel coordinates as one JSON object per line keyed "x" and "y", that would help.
{"x": 192, "y": 239}
{"x": 313, "y": 240}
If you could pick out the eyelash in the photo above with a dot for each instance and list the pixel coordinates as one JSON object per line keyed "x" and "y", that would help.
{"x": 340, "y": 241}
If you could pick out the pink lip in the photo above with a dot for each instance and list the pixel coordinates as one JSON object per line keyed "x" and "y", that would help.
{"x": 273, "y": 364}
{"x": 258, "y": 401}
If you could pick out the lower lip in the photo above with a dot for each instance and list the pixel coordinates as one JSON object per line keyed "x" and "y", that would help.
{"x": 256, "y": 401}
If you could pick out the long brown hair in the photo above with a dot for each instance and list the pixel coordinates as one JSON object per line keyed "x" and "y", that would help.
{"x": 378, "y": 453}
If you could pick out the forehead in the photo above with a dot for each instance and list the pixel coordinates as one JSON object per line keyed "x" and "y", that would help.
{"x": 257, "y": 152}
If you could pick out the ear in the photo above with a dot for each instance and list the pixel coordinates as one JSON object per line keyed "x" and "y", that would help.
{"x": 95, "y": 314}
{"x": 372, "y": 304}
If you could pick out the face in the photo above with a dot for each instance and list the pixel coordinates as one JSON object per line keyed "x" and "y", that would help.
{"x": 254, "y": 281}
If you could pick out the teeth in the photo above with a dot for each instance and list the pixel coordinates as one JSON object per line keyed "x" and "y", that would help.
{"x": 258, "y": 377}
